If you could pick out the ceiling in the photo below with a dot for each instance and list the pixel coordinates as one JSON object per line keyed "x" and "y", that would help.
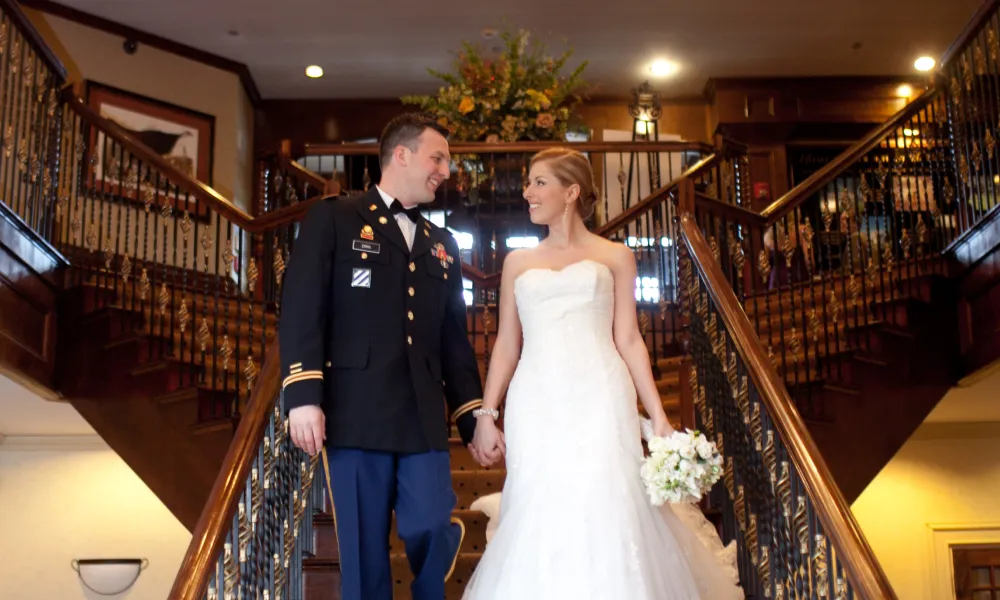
{"x": 25, "y": 413}
{"x": 384, "y": 49}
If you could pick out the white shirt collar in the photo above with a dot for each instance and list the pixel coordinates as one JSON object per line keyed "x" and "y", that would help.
{"x": 385, "y": 197}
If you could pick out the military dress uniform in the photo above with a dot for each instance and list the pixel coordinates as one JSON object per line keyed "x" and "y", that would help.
{"x": 374, "y": 331}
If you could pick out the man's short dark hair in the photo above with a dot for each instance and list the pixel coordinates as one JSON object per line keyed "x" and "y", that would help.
{"x": 404, "y": 130}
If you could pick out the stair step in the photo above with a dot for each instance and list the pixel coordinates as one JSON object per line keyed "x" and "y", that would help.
{"x": 322, "y": 578}
{"x": 669, "y": 383}
{"x": 669, "y": 365}
{"x": 325, "y": 537}
{"x": 902, "y": 272}
{"x": 472, "y": 485}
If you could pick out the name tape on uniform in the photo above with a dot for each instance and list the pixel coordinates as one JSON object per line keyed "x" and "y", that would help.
{"x": 363, "y": 246}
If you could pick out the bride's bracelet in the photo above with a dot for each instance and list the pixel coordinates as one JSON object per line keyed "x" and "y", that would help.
{"x": 478, "y": 412}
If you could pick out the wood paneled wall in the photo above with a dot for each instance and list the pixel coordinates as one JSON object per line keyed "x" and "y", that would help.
{"x": 31, "y": 275}
{"x": 305, "y": 121}
{"x": 977, "y": 262}
{"x": 772, "y": 114}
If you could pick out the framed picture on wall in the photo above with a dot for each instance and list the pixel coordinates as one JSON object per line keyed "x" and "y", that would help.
{"x": 182, "y": 137}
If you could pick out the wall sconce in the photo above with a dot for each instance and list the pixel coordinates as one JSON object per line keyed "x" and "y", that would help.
{"x": 645, "y": 110}
{"x": 109, "y": 576}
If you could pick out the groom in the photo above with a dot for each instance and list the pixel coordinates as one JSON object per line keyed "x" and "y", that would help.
{"x": 373, "y": 342}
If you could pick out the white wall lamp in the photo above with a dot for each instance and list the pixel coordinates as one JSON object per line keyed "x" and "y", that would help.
{"x": 109, "y": 576}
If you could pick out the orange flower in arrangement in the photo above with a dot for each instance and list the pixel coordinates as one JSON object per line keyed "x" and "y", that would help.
{"x": 518, "y": 95}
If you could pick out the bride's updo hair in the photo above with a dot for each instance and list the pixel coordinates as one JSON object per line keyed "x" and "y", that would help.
{"x": 569, "y": 167}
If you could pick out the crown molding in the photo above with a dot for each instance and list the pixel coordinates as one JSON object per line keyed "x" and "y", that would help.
{"x": 957, "y": 430}
{"x": 980, "y": 374}
{"x": 151, "y": 40}
{"x": 51, "y": 443}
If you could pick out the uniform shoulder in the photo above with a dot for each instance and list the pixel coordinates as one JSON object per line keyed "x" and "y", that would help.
{"x": 441, "y": 233}
{"x": 332, "y": 205}
{"x": 345, "y": 203}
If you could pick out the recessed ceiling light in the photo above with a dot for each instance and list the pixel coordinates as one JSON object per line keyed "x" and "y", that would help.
{"x": 904, "y": 91}
{"x": 314, "y": 71}
{"x": 924, "y": 63}
{"x": 662, "y": 68}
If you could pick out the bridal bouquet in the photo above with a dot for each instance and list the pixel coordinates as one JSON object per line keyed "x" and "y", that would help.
{"x": 681, "y": 467}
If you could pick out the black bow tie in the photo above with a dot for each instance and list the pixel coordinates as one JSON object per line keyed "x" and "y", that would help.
{"x": 397, "y": 207}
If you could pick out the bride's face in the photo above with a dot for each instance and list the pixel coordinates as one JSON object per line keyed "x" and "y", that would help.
{"x": 547, "y": 197}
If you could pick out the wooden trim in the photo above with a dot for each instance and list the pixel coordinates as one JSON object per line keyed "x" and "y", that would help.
{"x": 24, "y": 26}
{"x": 152, "y": 40}
{"x": 25, "y": 230}
{"x": 216, "y": 518}
{"x": 52, "y": 443}
{"x": 971, "y": 30}
{"x": 284, "y": 156}
{"x": 966, "y": 236}
{"x": 731, "y": 212}
{"x": 863, "y": 570}
{"x": 815, "y": 182}
{"x": 516, "y": 148}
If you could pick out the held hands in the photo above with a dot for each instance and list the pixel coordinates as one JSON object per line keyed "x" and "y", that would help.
{"x": 307, "y": 425}
{"x": 488, "y": 444}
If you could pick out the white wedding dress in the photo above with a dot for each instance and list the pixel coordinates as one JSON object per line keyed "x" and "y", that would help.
{"x": 575, "y": 522}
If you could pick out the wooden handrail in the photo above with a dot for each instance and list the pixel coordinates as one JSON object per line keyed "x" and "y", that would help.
{"x": 26, "y": 29}
{"x": 971, "y": 30}
{"x": 641, "y": 207}
{"x": 285, "y": 158}
{"x": 863, "y": 569}
{"x": 731, "y": 212}
{"x": 353, "y": 149}
{"x": 818, "y": 180}
{"x": 199, "y": 190}
{"x": 210, "y": 532}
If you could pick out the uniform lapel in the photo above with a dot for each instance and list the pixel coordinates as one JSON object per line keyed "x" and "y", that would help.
{"x": 422, "y": 238}
{"x": 374, "y": 211}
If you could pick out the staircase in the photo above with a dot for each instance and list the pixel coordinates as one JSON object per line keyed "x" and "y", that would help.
{"x": 863, "y": 382}
{"x": 149, "y": 391}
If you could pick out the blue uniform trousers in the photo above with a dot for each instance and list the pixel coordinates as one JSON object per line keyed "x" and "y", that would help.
{"x": 367, "y": 487}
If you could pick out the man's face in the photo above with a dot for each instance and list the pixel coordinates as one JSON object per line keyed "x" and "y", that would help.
{"x": 426, "y": 168}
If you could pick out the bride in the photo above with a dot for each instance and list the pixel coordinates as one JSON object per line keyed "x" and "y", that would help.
{"x": 575, "y": 521}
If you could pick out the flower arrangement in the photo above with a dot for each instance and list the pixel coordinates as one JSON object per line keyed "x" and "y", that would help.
{"x": 681, "y": 467}
{"x": 518, "y": 95}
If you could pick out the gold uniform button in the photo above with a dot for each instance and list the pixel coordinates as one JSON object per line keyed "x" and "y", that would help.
{"x": 364, "y": 255}
{"x": 328, "y": 363}
{"x": 409, "y": 340}
{"x": 413, "y": 267}
{"x": 411, "y": 291}
{"x": 383, "y": 220}
{"x": 446, "y": 276}
{"x": 409, "y": 314}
